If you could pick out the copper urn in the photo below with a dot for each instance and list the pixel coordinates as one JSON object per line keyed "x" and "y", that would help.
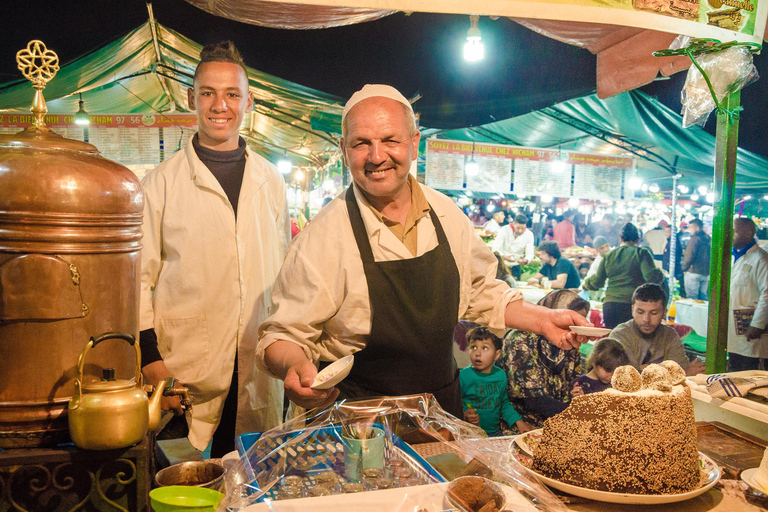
{"x": 70, "y": 240}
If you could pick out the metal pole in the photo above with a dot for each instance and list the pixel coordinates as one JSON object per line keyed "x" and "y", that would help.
{"x": 673, "y": 241}
{"x": 722, "y": 236}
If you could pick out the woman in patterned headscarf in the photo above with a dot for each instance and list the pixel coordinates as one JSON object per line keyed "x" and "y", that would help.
{"x": 539, "y": 373}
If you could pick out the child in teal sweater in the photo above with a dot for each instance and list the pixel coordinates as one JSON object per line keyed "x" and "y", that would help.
{"x": 484, "y": 386}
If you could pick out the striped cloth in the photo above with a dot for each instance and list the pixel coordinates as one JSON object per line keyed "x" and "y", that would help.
{"x": 723, "y": 386}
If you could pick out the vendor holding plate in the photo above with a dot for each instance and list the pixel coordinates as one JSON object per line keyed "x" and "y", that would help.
{"x": 384, "y": 272}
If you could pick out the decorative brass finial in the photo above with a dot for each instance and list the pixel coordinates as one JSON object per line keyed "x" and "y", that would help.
{"x": 39, "y": 65}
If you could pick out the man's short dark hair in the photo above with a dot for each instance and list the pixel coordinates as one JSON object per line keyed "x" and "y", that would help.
{"x": 629, "y": 233}
{"x": 521, "y": 219}
{"x": 225, "y": 51}
{"x": 483, "y": 333}
{"x": 747, "y": 223}
{"x": 569, "y": 213}
{"x": 649, "y": 292}
{"x": 696, "y": 222}
{"x": 550, "y": 248}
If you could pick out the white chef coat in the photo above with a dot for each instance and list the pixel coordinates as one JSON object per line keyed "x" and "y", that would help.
{"x": 508, "y": 243}
{"x": 206, "y": 284}
{"x": 321, "y": 295}
{"x": 492, "y": 226}
{"x": 749, "y": 289}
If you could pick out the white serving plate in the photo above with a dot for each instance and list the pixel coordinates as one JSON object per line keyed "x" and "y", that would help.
{"x": 748, "y": 477}
{"x": 590, "y": 331}
{"x": 431, "y": 497}
{"x": 528, "y": 442}
{"x": 709, "y": 467}
{"x": 337, "y": 371}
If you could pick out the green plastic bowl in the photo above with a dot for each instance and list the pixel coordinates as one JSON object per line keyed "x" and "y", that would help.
{"x": 182, "y": 498}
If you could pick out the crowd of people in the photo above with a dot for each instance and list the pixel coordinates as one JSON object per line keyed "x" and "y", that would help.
{"x": 242, "y": 315}
{"x": 541, "y": 379}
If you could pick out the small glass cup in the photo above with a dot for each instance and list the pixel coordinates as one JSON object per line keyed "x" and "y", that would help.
{"x": 320, "y": 490}
{"x": 327, "y": 478}
{"x": 371, "y": 472}
{"x": 370, "y": 483}
{"x": 288, "y": 492}
{"x": 392, "y": 466}
{"x": 404, "y": 473}
{"x": 351, "y": 487}
{"x": 385, "y": 483}
{"x": 291, "y": 481}
{"x": 413, "y": 481}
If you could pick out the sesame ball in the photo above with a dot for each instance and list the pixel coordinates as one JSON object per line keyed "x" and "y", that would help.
{"x": 676, "y": 371}
{"x": 656, "y": 377}
{"x": 626, "y": 379}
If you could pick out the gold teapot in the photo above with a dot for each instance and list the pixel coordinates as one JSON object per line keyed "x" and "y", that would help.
{"x": 115, "y": 413}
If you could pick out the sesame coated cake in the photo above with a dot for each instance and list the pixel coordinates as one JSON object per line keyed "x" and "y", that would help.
{"x": 637, "y": 441}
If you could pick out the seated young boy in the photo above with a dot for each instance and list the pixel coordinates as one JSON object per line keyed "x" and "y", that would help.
{"x": 484, "y": 386}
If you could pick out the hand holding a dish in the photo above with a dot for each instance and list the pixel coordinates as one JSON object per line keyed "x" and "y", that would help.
{"x": 289, "y": 362}
{"x": 554, "y": 324}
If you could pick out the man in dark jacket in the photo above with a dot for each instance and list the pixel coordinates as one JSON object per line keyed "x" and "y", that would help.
{"x": 696, "y": 261}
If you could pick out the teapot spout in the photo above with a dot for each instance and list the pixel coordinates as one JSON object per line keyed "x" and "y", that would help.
{"x": 155, "y": 410}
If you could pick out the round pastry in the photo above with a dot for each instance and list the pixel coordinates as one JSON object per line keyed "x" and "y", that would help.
{"x": 676, "y": 372}
{"x": 626, "y": 379}
{"x": 656, "y": 377}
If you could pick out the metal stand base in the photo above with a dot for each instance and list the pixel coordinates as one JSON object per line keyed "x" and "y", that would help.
{"x": 67, "y": 478}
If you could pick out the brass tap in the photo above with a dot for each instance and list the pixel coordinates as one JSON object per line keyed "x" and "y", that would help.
{"x": 170, "y": 390}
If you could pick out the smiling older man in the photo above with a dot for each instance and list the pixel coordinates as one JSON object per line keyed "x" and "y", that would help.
{"x": 384, "y": 272}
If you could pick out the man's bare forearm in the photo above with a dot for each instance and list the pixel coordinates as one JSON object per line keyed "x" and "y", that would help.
{"x": 282, "y": 355}
{"x": 524, "y": 316}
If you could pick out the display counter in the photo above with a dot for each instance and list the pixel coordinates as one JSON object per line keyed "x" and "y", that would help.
{"x": 748, "y": 414}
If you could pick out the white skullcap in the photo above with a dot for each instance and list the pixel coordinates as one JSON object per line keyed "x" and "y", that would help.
{"x": 375, "y": 90}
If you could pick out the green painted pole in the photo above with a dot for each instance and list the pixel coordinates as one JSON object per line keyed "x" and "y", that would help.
{"x": 722, "y": 236}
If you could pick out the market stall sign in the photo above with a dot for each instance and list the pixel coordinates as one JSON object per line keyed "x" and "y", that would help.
{"x": 527, "y": 171}
{"x": 125, "y": 138}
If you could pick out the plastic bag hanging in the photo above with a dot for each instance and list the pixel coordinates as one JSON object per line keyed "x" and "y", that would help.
{"x": 727, "y": 71}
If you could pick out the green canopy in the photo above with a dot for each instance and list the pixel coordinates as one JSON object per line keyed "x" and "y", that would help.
{"x": 149, "y": 71}
{"x": 632, "y": 124}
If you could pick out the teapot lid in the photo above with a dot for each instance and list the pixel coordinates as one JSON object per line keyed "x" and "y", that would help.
{"x": 109, "y": 383}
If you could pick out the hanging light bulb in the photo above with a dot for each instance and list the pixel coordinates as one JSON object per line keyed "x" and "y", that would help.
{"x": 574, "y": 202}
{"x": 81, "y": 116}
{"x": 284, "y": 164}
{"x": 694, "y": 197}
{"x": 653, "y": 188}
{"x": 702, "y": 190}
{"x": 558, "y": 167}
{"x": 299, "y": 175}
{"x": 546, "y": 199}
{"x": 472, "y": 167}
{"x": 683, "y": 189}
{"x": 474, "y": 50}
{"x": 635, "y": 183}
{"x": 710, "y": 197}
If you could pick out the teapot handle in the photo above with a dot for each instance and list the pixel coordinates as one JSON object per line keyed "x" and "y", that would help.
{"x": 106, "y": 336}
